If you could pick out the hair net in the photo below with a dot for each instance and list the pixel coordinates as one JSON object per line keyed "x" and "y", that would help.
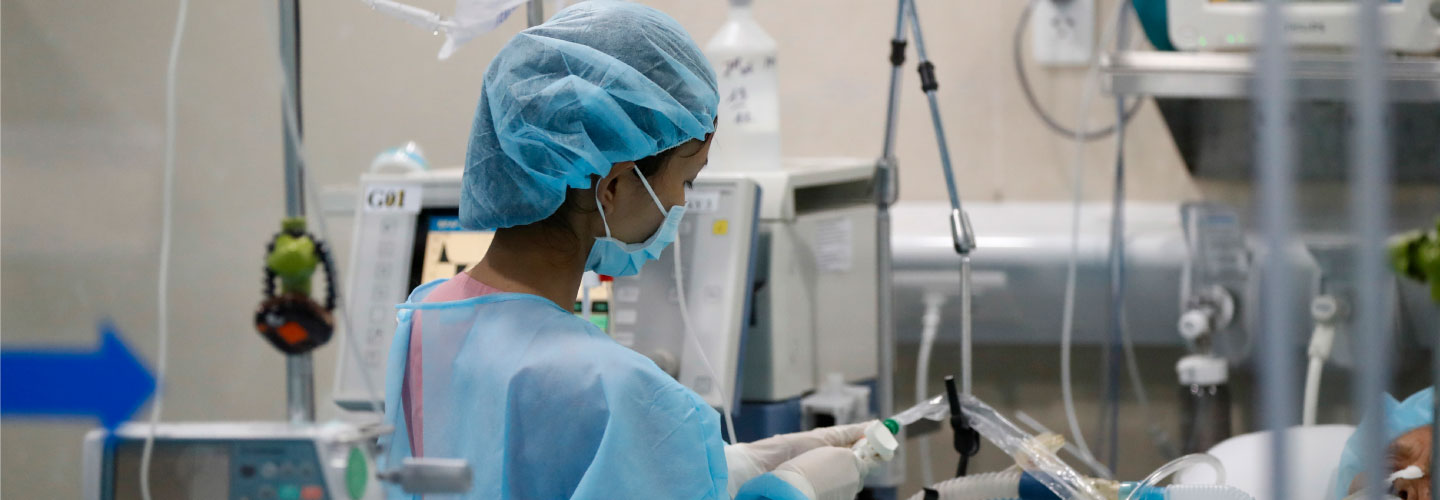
{"x": 600, "y": 83}
{"x": 1400, "y": 418}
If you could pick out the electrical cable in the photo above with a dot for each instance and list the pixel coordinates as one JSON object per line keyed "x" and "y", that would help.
{"x": 167, "y": 203}
{"x": 1050, "y": 122}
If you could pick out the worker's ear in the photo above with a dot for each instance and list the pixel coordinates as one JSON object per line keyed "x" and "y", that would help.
{"x": 607, "y": 187}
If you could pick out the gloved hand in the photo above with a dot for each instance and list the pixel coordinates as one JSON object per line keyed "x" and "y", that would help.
{"x": 746, "y": 461}
{"x": 828, "y": 473}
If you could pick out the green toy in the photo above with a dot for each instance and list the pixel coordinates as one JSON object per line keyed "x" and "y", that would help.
{"x": 1416, "y": 255}
{"x": 292, "y": 257}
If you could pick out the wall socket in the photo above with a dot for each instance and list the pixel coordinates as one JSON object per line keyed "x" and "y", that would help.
{"x": 1062, "y": 32}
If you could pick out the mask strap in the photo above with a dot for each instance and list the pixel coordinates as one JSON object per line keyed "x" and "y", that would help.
{"x": 651, "y": 191}
{"x": 601, "y": 208}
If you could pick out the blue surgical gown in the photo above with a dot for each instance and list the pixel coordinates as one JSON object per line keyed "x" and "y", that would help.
{"x": 542, "y": 404}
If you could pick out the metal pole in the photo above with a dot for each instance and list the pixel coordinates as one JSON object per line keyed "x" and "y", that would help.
{"x": 1276, "y": 192}
{"x": 886, "y": 192}
{"x": 960, "y": 230}
{"x": 535, "y": 13}
{"x": 299, "y": 368}
{"x": 1370, "y": 195}
{"x": 897, "y": 59}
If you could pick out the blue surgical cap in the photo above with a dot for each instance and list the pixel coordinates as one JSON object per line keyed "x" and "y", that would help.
{"x": 602, "y": 82}
{"x": 1400, "y": 417}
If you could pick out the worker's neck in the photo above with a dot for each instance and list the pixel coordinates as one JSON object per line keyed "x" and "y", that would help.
{"x": 536, "y": 261}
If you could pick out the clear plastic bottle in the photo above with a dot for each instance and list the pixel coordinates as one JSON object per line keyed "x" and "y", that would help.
{"x": 745, "y": 59}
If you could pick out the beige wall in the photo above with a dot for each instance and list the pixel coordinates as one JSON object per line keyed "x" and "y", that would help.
{"x": 82, "y": 137}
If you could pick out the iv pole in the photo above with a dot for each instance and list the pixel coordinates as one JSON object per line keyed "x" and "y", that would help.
{"x": 299, "y": 368}
{"x": 887, "y": 191}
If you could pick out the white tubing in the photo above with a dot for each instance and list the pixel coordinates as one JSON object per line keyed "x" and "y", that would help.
{"x": 1178, "y": 465}
{"x": 695, "y": 342}
{"x": 930, "y": 329}
{"x": 1312, "y": 390}
{"x": 167, "y": 216}
{"x": 1077, "y": 169}
{"x": 992, "y": 486}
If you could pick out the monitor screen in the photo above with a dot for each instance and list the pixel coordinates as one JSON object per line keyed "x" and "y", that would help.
{"x": 444, "y": 249}
{"x": 177, "y": 470}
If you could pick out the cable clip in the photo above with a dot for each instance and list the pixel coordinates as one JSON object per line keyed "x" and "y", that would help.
{"x": 967, "y": 439}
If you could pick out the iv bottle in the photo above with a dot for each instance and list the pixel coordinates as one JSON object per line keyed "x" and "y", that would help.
{"x": 1204, "y": 402}
{"x": 748, "y": 129}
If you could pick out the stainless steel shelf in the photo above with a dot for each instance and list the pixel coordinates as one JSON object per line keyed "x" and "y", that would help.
{"x": 1203, "y": 75}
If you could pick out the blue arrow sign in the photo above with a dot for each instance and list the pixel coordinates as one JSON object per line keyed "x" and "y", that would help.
{"x": 107, "y": 383}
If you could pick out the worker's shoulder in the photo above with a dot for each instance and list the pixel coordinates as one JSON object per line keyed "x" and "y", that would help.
{"x": 590, "y": 348}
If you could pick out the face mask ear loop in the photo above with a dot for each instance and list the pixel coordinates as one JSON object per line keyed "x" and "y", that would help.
{"x": 651, "y": 191}
{"x": 601, "y": 209}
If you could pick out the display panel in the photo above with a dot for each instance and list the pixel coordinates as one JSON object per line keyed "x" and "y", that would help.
{"x": 176, "y": 470}
{"x": 443, "y": 248}
{"x": 1295, "y": 1}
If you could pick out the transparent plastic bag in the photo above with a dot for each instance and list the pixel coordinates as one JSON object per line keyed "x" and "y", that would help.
{"x": 1031, "y": 454}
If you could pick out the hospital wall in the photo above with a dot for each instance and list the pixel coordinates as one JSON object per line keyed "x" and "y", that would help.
{"x": 82, "y": 124}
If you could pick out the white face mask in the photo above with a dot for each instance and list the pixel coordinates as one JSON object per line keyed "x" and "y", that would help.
{"x": 472, "y": 18}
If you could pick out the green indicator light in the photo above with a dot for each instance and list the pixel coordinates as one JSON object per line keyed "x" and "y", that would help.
{"x": 1240, "y": 38}
{"x": 1230, "y": 39}
{"x": 1202, "y": 41}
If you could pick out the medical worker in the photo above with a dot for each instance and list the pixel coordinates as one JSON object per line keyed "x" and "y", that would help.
{"x": 589, "y": 129}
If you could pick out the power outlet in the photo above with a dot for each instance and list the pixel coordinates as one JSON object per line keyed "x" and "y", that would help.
{"x": 1062, "y": 32}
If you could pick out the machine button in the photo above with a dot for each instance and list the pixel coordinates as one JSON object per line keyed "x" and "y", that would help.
{"x": 287, "y": 470}
{"x": 266, "y": 492}
{"x": 307, "y": 470}
{"x": 312, "y": 492}
{"x": 268, "y": 470}
{"x": 247, "y": 471}
{"x": 289, "y": 492}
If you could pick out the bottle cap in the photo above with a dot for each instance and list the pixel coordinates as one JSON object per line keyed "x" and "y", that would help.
{"x": 1199, "y": 369}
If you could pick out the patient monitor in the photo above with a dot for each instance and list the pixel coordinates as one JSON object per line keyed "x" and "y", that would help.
{"x": 1411, "y": 26}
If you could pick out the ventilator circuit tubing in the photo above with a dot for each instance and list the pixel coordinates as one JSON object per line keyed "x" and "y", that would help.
{"x": 1174, "y": 466}
{"x": 162, "y": 294}
{"x": 1032, "y": 455}
{"x": 992, "y": 486}
{"x": 695, "y": 342}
